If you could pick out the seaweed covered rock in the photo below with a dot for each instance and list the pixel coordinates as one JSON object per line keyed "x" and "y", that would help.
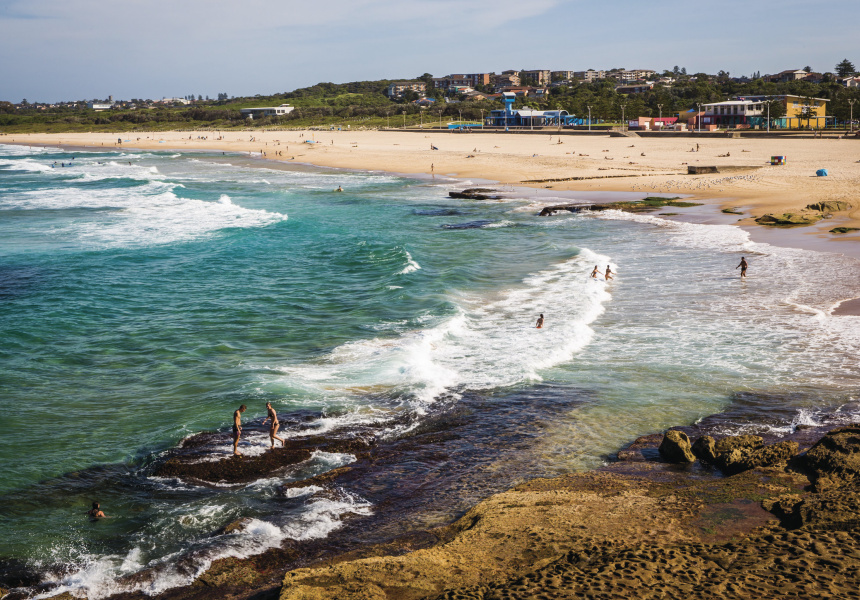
{"x": 476, "y": 194}
{"x": 676, "y": 447}
{"x": 239, "y": 469}
{"x": 829, "y": 206}
{"x": 835, "y": 459}
{"x": 234, "y": 527}
{"x": 704, "y": 449}
{"x": 788, "y": 219}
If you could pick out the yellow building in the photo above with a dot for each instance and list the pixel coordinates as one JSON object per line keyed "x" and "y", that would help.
{"x": 801, "y": 111}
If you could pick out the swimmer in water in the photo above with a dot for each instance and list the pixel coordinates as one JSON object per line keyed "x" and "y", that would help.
{"x": 273, "y": 429}
{"x": 608, "y": 275}
{"x": 339, "y": 189}
{"x": 539, "y": 322}
{"x": 95, "y": 513}
{"x": 595, "y": 272}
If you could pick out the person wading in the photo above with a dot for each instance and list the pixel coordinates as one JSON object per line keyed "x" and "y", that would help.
{"x": 743, "y": 267}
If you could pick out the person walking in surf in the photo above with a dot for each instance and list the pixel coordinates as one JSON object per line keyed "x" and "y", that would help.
{"x": 273, "y": 429}
{"x": 742, "y": 267}
{"x": 595, "y": 272}
{"x": 608, "y": 275}
{"x": 539, "y": 322}
{"x": 237, "y": 428}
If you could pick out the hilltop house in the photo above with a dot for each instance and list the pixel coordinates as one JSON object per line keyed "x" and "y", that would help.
{"x": 590, "y": 75}
{"x": 788, "y": 75}
{"x": 396, "y": 89}
{"x": 267, "y": 111}
{"x": 636, "y": 75}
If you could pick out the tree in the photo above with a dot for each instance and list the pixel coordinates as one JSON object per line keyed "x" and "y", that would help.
{"x": 808, "y": 110}
{"x": 808, "y": 69}
{"x": 776, "y": 111}
{"x": 845, "y": 68}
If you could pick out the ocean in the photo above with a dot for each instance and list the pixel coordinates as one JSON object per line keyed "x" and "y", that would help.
{"x": 145, "y": 295}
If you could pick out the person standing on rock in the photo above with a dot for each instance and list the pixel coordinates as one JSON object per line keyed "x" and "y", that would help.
{"x": 273, "y": 430}
{"x": 742, "y": 267}
{"x": 237, "y": 428}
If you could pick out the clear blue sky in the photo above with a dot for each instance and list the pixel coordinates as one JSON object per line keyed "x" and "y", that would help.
{"x": 82, "y": 49}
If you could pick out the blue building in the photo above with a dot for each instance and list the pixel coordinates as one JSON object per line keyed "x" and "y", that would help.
{"x": 526, "y": 117}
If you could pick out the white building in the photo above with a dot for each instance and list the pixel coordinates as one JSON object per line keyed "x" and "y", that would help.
{"x": 589, "y": 75}
{"x": 735, "y": 112}
{"x": 636, "y": 74}
{"x": 99, "y": 105}
{"x": 267, "y": 111}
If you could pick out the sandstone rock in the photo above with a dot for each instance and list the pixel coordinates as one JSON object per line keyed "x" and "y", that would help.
{"x": 228, "y": 571}
{"x": 676, "y": 448}
{"x": 782, "y": 506}
{"x": 643, "y": 448}
{"x": 788, "y": 219}
{"x": 730, "y": 462}
{"x": 745, "y": 458}
{"x": 829, "y": 206}
{"x": 835, "y": 509}
{"x": 740, "y": 442}
{"x": 835, "y": 459}
{"x": 704, "y": 449}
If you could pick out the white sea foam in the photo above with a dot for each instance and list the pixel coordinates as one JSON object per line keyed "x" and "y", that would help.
{"x": 144, "y": 215}
{"x": 102, "y": 576}
{"x": 487, "y": 344}
{"x": 411, "y": 265}
{"x": 504, "y": 223}
{"x": 786, "y": 302}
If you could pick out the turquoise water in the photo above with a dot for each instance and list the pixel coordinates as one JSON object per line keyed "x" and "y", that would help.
{"x": 144, "y": 296}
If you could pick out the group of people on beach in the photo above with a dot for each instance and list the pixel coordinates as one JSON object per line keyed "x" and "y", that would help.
{"x": 273, "y": 426}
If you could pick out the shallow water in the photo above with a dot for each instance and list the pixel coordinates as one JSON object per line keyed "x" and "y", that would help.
{"x": 144, "y": 296}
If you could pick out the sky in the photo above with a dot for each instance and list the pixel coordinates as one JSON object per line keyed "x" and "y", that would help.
{"x": 54, "y": 50}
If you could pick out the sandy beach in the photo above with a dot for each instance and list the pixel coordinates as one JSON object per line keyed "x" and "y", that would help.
{"x": 652, "y": 165}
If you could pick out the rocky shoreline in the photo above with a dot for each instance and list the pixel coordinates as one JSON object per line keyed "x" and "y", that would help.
{"x": 679, "y": 513}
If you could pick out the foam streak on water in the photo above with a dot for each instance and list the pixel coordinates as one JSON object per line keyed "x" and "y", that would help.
{"x": 487, "y": 344}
